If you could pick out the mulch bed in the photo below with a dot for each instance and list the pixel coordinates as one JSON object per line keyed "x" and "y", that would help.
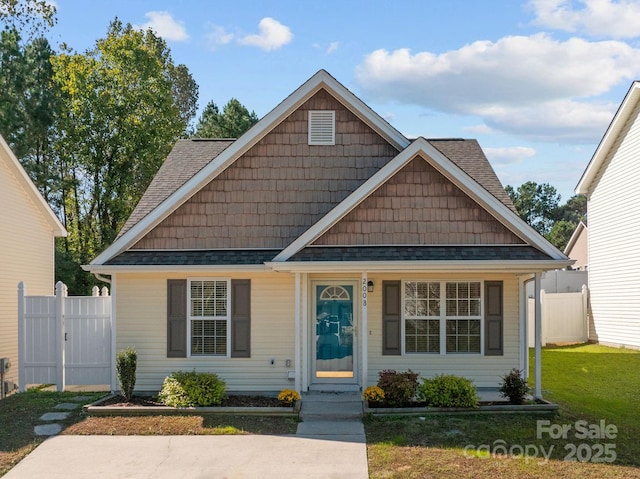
{"x": 228, "y": 401}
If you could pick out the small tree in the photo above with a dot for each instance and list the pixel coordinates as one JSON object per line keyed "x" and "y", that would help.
{"x": 126, "y": 364}
{"x": 514, "y": 386}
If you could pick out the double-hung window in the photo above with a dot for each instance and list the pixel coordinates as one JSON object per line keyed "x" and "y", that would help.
{"x": 209, "y": 317}
{"x": 442, "y": 314}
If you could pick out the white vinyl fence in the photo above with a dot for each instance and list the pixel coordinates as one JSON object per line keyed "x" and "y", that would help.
{"x": 64, "y": 340}
{"x": 564, "y": 317}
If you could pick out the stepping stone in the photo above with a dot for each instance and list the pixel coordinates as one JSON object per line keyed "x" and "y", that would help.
{"x": 81, "y": 398}
{"x": 54, "y": 416}
{"x": 47, "y": 429}
{"x": 67, "y": 406}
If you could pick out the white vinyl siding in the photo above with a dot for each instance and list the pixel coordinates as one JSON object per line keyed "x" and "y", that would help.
{"x": 141, "y": 316}
{"x": 26, "y": 254}
{"x": 485, "y": 371}
{"x": 614, "y": 236}
{"x": 322, "y": 127}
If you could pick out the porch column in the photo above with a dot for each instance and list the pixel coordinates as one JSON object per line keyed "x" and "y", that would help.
{"x": 364, "y": 329}
{"x": 538, "y": 344}
{"x": 305, "y": 332}
{"x": 298, "y": 369}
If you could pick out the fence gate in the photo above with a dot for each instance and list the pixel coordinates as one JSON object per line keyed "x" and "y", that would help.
{"x": 64, "y": 340}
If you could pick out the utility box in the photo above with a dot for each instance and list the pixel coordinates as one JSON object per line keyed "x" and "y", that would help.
{"x": 5, "y": 387}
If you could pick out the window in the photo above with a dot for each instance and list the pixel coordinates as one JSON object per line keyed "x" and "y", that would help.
{"x": 463, "y": 303}
{"x": 447, "y": 313}
{"x": 422, "y": 317}
{"x": 209, "y": 314}
{"x": 322, "y": 127}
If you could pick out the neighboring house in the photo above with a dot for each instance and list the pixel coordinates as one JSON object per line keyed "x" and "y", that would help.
{"x": 27, "y": 231}
{"x": 320, "y": 248}
{"x": 577, "y": 248}
{"x": 610, "y": 182}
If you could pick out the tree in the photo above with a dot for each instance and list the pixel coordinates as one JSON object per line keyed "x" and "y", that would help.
{"x": 125, "y": 104}
{"x": 33, "y": 16}
{"x": 560, "y": 233}
{"x": 234, "y": 120}
{"x": 536, "y": 204}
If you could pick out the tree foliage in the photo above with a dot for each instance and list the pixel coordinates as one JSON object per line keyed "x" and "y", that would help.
{"x": 32, "y": 16}
{"x": 234, "y": 120}
{"x": 539, "y": 206}
{"x": 123, "y": 112}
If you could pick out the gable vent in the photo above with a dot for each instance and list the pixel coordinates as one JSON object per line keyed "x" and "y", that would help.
{"x": 322, "y": 127}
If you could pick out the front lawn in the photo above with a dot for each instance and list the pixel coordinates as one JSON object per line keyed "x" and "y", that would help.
{"x": 591, "y": 384}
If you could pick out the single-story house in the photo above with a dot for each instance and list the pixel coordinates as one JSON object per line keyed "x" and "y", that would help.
{"x": 28, "y": 228}
{"x": 610, "y": 182}
{"x": 320, "y": 248}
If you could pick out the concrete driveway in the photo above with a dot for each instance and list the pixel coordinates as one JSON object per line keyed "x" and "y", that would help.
{"x": 158, "y": 457}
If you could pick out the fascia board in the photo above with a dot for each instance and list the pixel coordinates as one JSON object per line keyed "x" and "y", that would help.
{"x": 31, "y": 190}
{"x": 618, "y": 122}
{"x": 245, "y": 142}
{"x": 520, "y": 267}
{"x": 446, "y": 167}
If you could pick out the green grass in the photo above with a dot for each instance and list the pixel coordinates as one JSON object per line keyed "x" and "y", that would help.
{"x": 590, "y": 383}
{"x": 594, "y": 383}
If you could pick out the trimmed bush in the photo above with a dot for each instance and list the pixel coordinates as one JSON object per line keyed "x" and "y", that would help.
{"x": 126, "y": 364}
{"x": 446, "y": 390}
{"x": 399, "y": 388}
{"x": 192, "y": 389}
{"x": 514, "y": 386}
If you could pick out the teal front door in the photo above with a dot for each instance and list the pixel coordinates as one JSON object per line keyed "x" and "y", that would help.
{"x": 335, "y": 327}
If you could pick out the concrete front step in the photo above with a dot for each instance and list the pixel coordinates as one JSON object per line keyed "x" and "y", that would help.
{"x": 330, "y": 406}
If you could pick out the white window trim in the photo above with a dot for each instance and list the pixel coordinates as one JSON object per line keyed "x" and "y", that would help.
{"x": 191, "y": 318}
{"x": 311, "y": 114}
{"x": 443, "y": 317}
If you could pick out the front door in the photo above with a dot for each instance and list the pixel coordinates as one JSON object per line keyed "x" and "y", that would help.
{"x": 334, "y": 322}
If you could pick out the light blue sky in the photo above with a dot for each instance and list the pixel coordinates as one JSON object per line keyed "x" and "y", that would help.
{"x": 536, "y": 82}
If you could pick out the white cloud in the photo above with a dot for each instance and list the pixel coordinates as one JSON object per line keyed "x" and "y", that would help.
{"x": 509, "y": 155}
{"x": 535, "y": 86}
{"x": 164, "y": 25}
{"x": 608, "y": 18}
{"x": 478, "y": 129}
{"x": 218, "y": 36}
{"x": 333, "y": 46}
{"x": 273, "y": 35}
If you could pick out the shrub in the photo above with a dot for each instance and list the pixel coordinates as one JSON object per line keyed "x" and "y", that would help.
{"x": 447, "y": 390}
{"x": 191, "y": 389}
{"x": 514, "y": 387}
{"x": 288, "y": 396}
{"x": 126, "y": 364}
{"x": 373, "y": 394}
{"x": 399, "y": 388}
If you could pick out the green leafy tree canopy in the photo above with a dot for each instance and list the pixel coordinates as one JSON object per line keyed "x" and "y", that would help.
{"x": 234, "y": 120}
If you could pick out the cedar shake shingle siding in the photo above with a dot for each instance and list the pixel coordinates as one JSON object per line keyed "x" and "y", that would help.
{"x": 279, "y": 188}
{"x": 418, "y": 206}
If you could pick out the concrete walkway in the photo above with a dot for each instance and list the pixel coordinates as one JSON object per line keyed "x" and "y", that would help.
{"x": 329, "y": 443}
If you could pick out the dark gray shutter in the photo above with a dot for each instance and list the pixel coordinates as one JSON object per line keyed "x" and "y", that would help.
{"x": 493, "y": 319}
{"x": 240, "y": 318}
{"x": 391, "y": 318}
{"x": 176, "y": 318}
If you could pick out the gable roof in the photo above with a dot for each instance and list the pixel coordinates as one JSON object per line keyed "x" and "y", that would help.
{"x": 422, "y": 147}
{"x": 321, "y": 80}
{"x": 193, "y": 164}
{"x": 30, "y": 189}
{"x": 574, "y": 237}
{"x": 186, "y": 159}
{"x": 601, "y": 156}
